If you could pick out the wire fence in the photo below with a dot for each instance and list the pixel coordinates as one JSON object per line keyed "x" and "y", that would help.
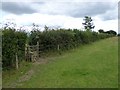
{"x": 34, "y": 52}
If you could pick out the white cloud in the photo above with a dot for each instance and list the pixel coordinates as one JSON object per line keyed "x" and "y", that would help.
{"x": 60, "y": 1}
{"x": 60, "y": 20}
{"x": 40, "y": 19}
{"x": 74, "y": 9}
{"x": 63, "y": 17}
{"x": 106, "y": 25}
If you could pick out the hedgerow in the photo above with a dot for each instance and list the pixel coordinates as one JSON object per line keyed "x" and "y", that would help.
{"x": 65, "y": 38}
{"x": 13, "y": 41}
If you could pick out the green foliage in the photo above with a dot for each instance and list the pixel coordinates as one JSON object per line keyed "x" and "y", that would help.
{"x": 118, "y": 34}
{"x": 65, "y": 38}
{"x": 101, "y": 31}
{"x": 89, "y": 66}
{"x": 88, "y": 23}
{"x": 111, "y": 32}
{"x": 21, "y": 41}
{"x": 49, "y": 40}
{"x": 8, "y": 47}
{"x": 12, "y": 42}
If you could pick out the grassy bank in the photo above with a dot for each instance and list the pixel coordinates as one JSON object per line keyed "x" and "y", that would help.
{"x": 93, "y": 65}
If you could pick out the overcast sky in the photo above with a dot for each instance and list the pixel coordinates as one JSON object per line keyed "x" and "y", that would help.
{"x": 61, "y": 13}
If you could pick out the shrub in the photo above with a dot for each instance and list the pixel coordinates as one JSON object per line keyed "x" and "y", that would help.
{"x": 12, "y": 42}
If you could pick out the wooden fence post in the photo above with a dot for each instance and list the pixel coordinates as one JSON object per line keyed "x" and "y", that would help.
{"x": 37, "y": 50}
{"x": 58, "y": 47}
{"x": 29, "y": 54}
{"x": 16, "y": 61}
{"x": 25, "y": 52}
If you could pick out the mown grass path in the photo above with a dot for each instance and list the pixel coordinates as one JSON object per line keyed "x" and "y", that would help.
{"x": 94, "y": 65}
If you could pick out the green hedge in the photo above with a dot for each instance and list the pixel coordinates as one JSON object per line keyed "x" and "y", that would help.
{"x": 65, "y": 38}
{"x": 12, "y": 42}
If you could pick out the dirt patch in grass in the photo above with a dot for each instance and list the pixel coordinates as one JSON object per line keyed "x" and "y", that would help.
{"x": 40, "y": 61}
{"x": 27, "y": 76}
{"x": 31, "y": 72}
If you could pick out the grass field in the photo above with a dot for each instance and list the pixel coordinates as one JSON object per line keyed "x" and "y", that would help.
{"x": 89, "y": 66}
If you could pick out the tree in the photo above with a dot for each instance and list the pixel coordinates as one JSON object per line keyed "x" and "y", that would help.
{"x": 46, "y": 28}
{"x": 88, "y": 25}
{"x": 118, "y": 34}
{"x": 111, "y": 32}
{"x": 101, "y": 31}
{"x": 35, "y": 27}
{"x": 13, "y": 46}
